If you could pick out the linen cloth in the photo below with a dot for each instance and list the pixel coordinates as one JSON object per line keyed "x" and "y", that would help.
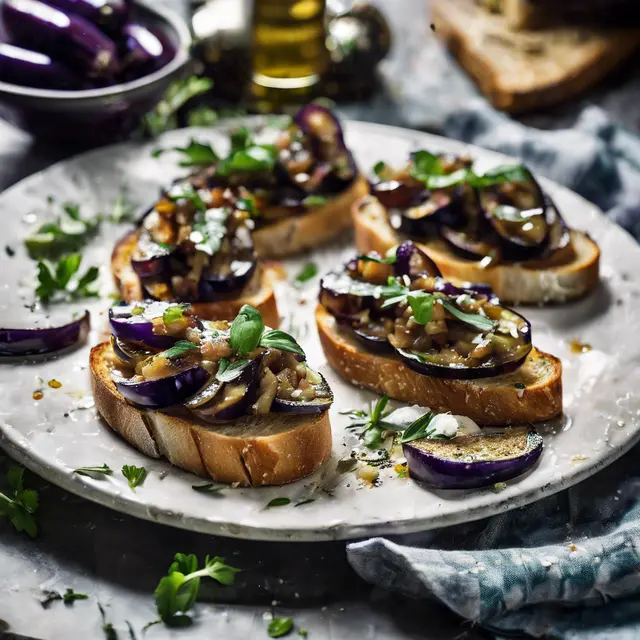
{"x": 567, "y": 566}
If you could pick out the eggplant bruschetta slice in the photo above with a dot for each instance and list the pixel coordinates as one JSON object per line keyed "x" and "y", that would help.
{"x": 195, "y": 246}
{"x": 394, "y": 325}
{"x": 499, "y": 227}
{"x": 235, "y": 401}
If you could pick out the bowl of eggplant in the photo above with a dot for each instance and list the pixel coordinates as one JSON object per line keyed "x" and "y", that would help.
{"x": 87, "y": 70}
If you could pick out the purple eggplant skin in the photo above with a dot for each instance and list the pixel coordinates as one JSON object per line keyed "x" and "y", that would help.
{"x": 144, "y": 51}
{"x": 322, "y": 128}
{"x": 413, "y": 261}
{"x": 446, "y": 473}
{"x": 397, "y": 195}
{"x": 82, "y": 45}
{"x": 44, "y": 341}
{"x": 109, "y": 15}
{"x": 473, "y": 288}
{"x": 138, "y": 328}
{"x": 234, "y": 399}
{"x": 375, "y": 344}
{"x": 154, "y": 261}
{"x": 162, "y": 392}
{"x": 212, "y": 286}
{"x": 33, "y": 69}
{"x": 318, "y": 405}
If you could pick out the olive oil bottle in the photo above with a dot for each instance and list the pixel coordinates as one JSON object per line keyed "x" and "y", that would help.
{"x": 289, "y": 51}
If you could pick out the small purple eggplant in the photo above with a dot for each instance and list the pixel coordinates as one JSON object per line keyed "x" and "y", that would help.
{"x": 32, "y": 69}
{"x": 144, "y": 51}
{"x": 79, "y": 42}
{"x": 109, "y": 15}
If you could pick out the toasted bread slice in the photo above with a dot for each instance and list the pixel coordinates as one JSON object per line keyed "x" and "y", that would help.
{"x": 258, "y": 293}
{"x": 530, "y": 282}
{"x": 273, "y": 449}
{"x": 297, "y": 233}
{"x": 521, "y": 70}
{"x": 489, "y": 401}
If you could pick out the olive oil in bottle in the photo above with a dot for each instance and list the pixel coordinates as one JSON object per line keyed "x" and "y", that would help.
{"x": 289, "y": 50}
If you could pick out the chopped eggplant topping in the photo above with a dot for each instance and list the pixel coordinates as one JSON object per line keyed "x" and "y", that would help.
{"x": 501, "y": 215}
{"x": 228, "y": 369}
{"x": 435, "y": 327}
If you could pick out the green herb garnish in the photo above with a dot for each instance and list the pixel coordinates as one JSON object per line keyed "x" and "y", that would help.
{"x": 418, "y": 428}
{"x": 228, "y": 372}
{"x": 251, "y": 159}
{"x": 371, "y": 423}
{"x": 122, "y": 210}
{"x": 19, "y": 505}
{"x": 314, "y": 201}
{"x": 135, "y": 475}
{"x": 309, "y": 271}
{"x": 197, "y": 154}
{"x": 209, "y": 229}
{"x": 174, "y": 313}
{"x": 187, "y": 192}
{"x": 176, "y": 593}
{"x": 280, "y": 627}
{"x": 519, "y": 385}
{"x": 278, "y": 502}
{"x": 379, "y": 167}
{"x": 10, "y": 251}
{"x": 87, "y": 471}
{"x": 474, "y": 319}
{"x": 248, "y": 333}
{"x": 68, "y": 233}
{"x": 107, "y": 628}
{"x": 202, "y": 117}
{"x": 209, "y": 487}
{"x": 421, "y": 305}
{"x": 58, "y": 280}
{"x": 68, "y": 597}
{"x": 179, "y": 349}
{"x": 164, "y": 116}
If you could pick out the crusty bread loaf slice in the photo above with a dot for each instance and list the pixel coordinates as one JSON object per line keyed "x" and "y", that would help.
{"x": 521, "y": 70}
{"x": 529, "y": 282}
{"x": 253, "y": 451}
{"x": 489, "y": 401}
{"x": 298, "y": 233}
{"x": 258, "y": 293}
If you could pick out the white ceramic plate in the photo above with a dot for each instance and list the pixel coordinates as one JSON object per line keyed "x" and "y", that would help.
{"x": 62, "y": 431}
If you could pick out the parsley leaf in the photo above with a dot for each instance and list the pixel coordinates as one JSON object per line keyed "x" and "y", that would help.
{"x": 164, "y": 116}
{"x": 20, "y": 505}
{"x": 58, "y": 280}
{"x": 134, "y": 475}
{"x": 246, "y": 156}
{"x": 197, "y": 154}
{"x": 179, "y": 348}
{"x": 87, "y": 471}
{"x": 174, "y": 313}
{"x": 425, "y": 165}
{"x": 308, "y": 271}
{"x": 280, "y": 627}
{"x": 176, "y": 593}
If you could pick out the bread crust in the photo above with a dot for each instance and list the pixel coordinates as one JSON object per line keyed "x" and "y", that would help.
{"x": 530, "y": 282}
{"x": 318, "y": 226}
{"x": 519, "y": 71}
{"x": 488, "y": 401}
{"x": 258, "y": 293}
{"x": 253, "y": 451}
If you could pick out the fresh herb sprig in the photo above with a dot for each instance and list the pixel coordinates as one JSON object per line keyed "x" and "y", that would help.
{"x": 246, "y": 156}
{"x": 248, "y": 333}
{"x": 19, "y": 505}
{"x": 371, "y": 424}
{"x": 135, "y": 475}
{"x": 419, "y": 428}
{"x": 196, "y": 154}
{"x": 69, "y": 232}
{"x": 164, "y": 116}
{"x": 176, "y": 593}
{"x": 68, "y": 597}
{"x": 103, "y": 469}
{"x": 308, "y": 272}
{"x": 280, "y": 627}
{"x": 61, "y": 282}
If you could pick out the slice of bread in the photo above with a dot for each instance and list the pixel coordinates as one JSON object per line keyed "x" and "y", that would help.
{"x": 529, "y": 282}
{"x": 273, "y": 449}
{"x": 318, "y": 226}
{"x": 258, "y": 293}
{"x": 523, "y": 70}
{"x": 488, "y": 401}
